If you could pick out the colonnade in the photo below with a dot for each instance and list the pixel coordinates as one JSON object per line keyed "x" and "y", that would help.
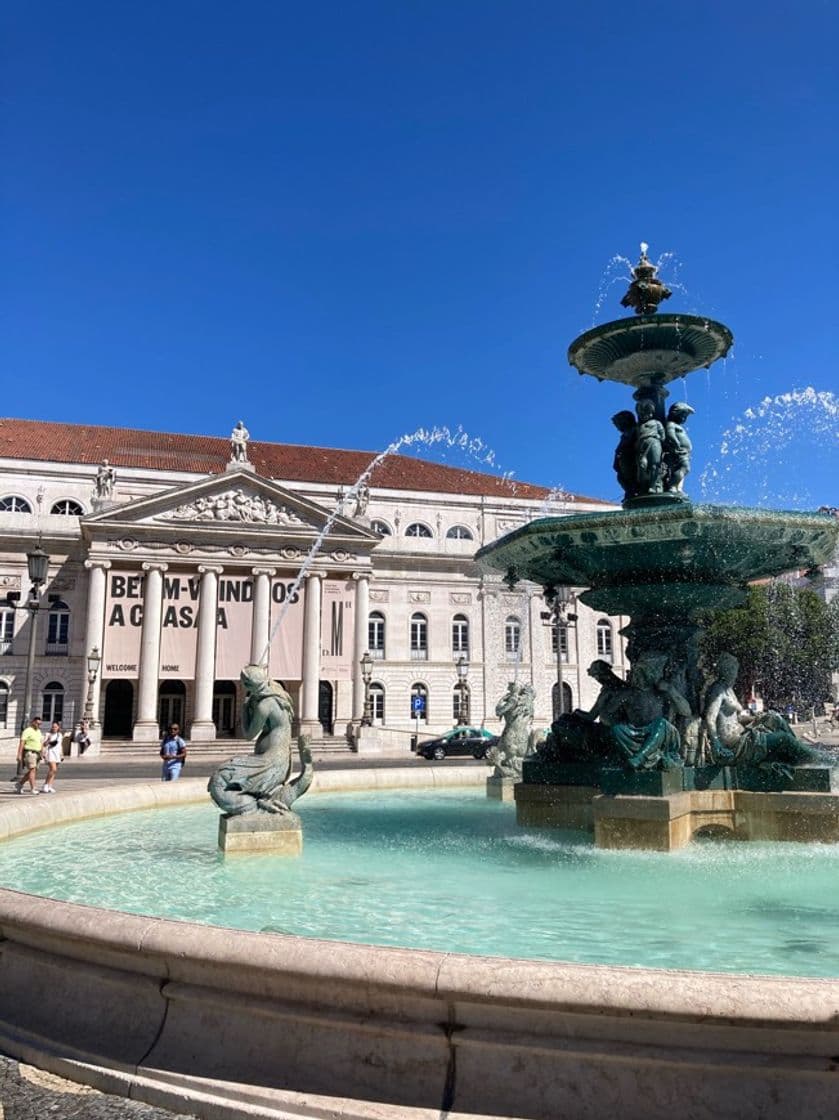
{"x": 146, "y": 727}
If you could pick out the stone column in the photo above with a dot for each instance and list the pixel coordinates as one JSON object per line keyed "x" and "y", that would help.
{"x": 261, "y": 617}
{"x": 95, "y": 633}
{"x": 146, "y": 729}
{"x": 203, "y": 729}
{"x": 309, "y": 722}
{"x": 362, "y": 612}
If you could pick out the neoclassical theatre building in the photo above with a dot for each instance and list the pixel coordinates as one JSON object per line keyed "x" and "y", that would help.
{"x": 178, "y": 558}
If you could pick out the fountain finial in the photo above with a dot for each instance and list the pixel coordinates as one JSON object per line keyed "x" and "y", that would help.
{"x": 646, "y": 291}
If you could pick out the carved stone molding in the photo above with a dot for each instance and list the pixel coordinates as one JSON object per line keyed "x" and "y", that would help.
{"x": 10, "y": 583}
{"x": 460, "y": 598}
{"x": 234, "y": 506}
{"x": 379, "y": 596}
{"x": 506, "y": 526}
{"x": 419, "y": 596}
{"x": 97, "y": 564}
{"x": 342, "y": 557}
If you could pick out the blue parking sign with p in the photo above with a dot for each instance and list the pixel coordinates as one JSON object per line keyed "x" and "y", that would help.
{"x": 417, "y": 705}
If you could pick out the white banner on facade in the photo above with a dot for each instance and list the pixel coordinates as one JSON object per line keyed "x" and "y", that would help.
{"x": 337, "y": 630}
{"x": 179, "y": 627}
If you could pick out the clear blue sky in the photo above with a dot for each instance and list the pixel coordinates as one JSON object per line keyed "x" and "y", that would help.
{"x": 341, "y": 221}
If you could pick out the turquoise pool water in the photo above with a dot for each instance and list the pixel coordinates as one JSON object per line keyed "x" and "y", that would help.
{"x": 452, "y": 871}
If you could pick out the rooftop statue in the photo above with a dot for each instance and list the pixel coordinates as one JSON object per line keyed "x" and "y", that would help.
{"x": 103, "y": 485}
{"x": 516, "y": 709}
{"x": 239, "y": 443}
{"x": 259, "y": 782}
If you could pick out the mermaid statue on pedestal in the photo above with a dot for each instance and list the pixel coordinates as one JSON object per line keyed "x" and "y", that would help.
{"x": 259, "y": 782}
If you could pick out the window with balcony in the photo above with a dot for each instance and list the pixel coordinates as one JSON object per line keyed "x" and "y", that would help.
{"x": 58, "y": 629}
{"x": 559, "y": 638}
{"x": 376, "y": 635}
{"x": 512, "y": 638}
{"x": 460, "y": 635}
{"x": 604, "y": 639}
{"x": 419, "y": 637}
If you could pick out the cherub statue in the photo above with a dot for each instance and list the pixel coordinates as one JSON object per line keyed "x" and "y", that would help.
{"x": 239, "y": 443}
{"x": 259, "y": 782}
{"x": 106, "y": 476}
{"x": 677, "y": 445}
{"x": 625, "y": 463}
{"x": 649, "y": 449}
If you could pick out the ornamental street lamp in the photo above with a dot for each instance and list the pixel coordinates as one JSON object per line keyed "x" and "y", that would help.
{"x": 367, "y": 676}
{"x": 560, "y": 618}
{"x": 462, "y": 666}
{"x": 38, "y": 563}
{"x": 93, "y": 660}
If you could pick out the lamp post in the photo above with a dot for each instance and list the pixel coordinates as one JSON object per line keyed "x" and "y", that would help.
{"x": 462, "y": 673}
{"x": 37, "y": 562}
{"x": 93, "y": 659}
{"x": 367, "y": 676}
{"x": 559, "y": 599}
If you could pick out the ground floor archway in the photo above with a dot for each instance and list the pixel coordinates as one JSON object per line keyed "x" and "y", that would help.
{"x": 119, "y": 709}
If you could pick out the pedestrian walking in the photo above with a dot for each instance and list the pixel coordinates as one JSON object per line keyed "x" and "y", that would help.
{"x": 173, "y": 753}
{"x": 52, "y": 754}
{"x": 29, "y": 754}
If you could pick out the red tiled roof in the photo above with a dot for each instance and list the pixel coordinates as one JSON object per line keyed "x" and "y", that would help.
{"x": 165, "y": 451}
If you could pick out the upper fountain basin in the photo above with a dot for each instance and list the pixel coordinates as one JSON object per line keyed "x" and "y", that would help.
{"x": 649, "y": 349}
{"x": 671, "y": 559}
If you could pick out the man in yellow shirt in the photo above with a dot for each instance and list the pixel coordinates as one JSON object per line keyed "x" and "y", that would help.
{"x": 29, "y": 754}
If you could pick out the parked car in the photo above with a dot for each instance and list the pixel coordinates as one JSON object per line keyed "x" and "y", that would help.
{"x": 460, "y": 740}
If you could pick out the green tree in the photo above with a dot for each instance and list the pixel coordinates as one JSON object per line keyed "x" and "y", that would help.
{"x": 786, "y": 640}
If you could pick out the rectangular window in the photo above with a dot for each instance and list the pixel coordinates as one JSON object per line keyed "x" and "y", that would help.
{"x": 58, "y": 629}
{"x": 562, "y": 632}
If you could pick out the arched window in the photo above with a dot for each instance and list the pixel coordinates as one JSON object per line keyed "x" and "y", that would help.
{"x": 419, "y": 637}
{"x": 604, "y": 639}
{"x": 4, "y": 704}
{"x": 419, "y": 702}
{"x": 512, "y": 638}
{"x": 460, "y": 703}
{"x": 377, "y": 702}
{"x": 459, "y": 533}
{"x": 7, "y": 630}
{"x": 559, "y": 637}
{"x": 460, "y": 635}
{"x": 52, "y": 702}
{"x": 417, "y": 529}
{"x": 58, "y": 628}
{"x": 69, "y": 507}
{"x": 14, "y": 504}
{"x": 380, "y": 527}
{"x": 376, "y": 635}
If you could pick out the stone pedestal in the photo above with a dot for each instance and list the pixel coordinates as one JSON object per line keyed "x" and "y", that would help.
{"x": 261, "y": 832}
{"x": 500, "y": 788}
{"x": 555, "y": 806}
{"x": 799, "y": 817}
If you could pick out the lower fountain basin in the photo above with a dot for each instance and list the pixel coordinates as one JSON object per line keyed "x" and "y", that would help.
{"x": 674, "y": 557}
{"x": 236, "y": 1023}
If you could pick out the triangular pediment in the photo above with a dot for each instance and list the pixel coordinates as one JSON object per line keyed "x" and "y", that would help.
{"x": 237, "y": 501}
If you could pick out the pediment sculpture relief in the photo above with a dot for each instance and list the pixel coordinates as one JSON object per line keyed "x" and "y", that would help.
{"x": 235, "y": 505}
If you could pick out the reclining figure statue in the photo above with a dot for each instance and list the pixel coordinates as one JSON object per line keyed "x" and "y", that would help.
{"x": 737, "y": 737}
{"x": 259, "y": 782}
